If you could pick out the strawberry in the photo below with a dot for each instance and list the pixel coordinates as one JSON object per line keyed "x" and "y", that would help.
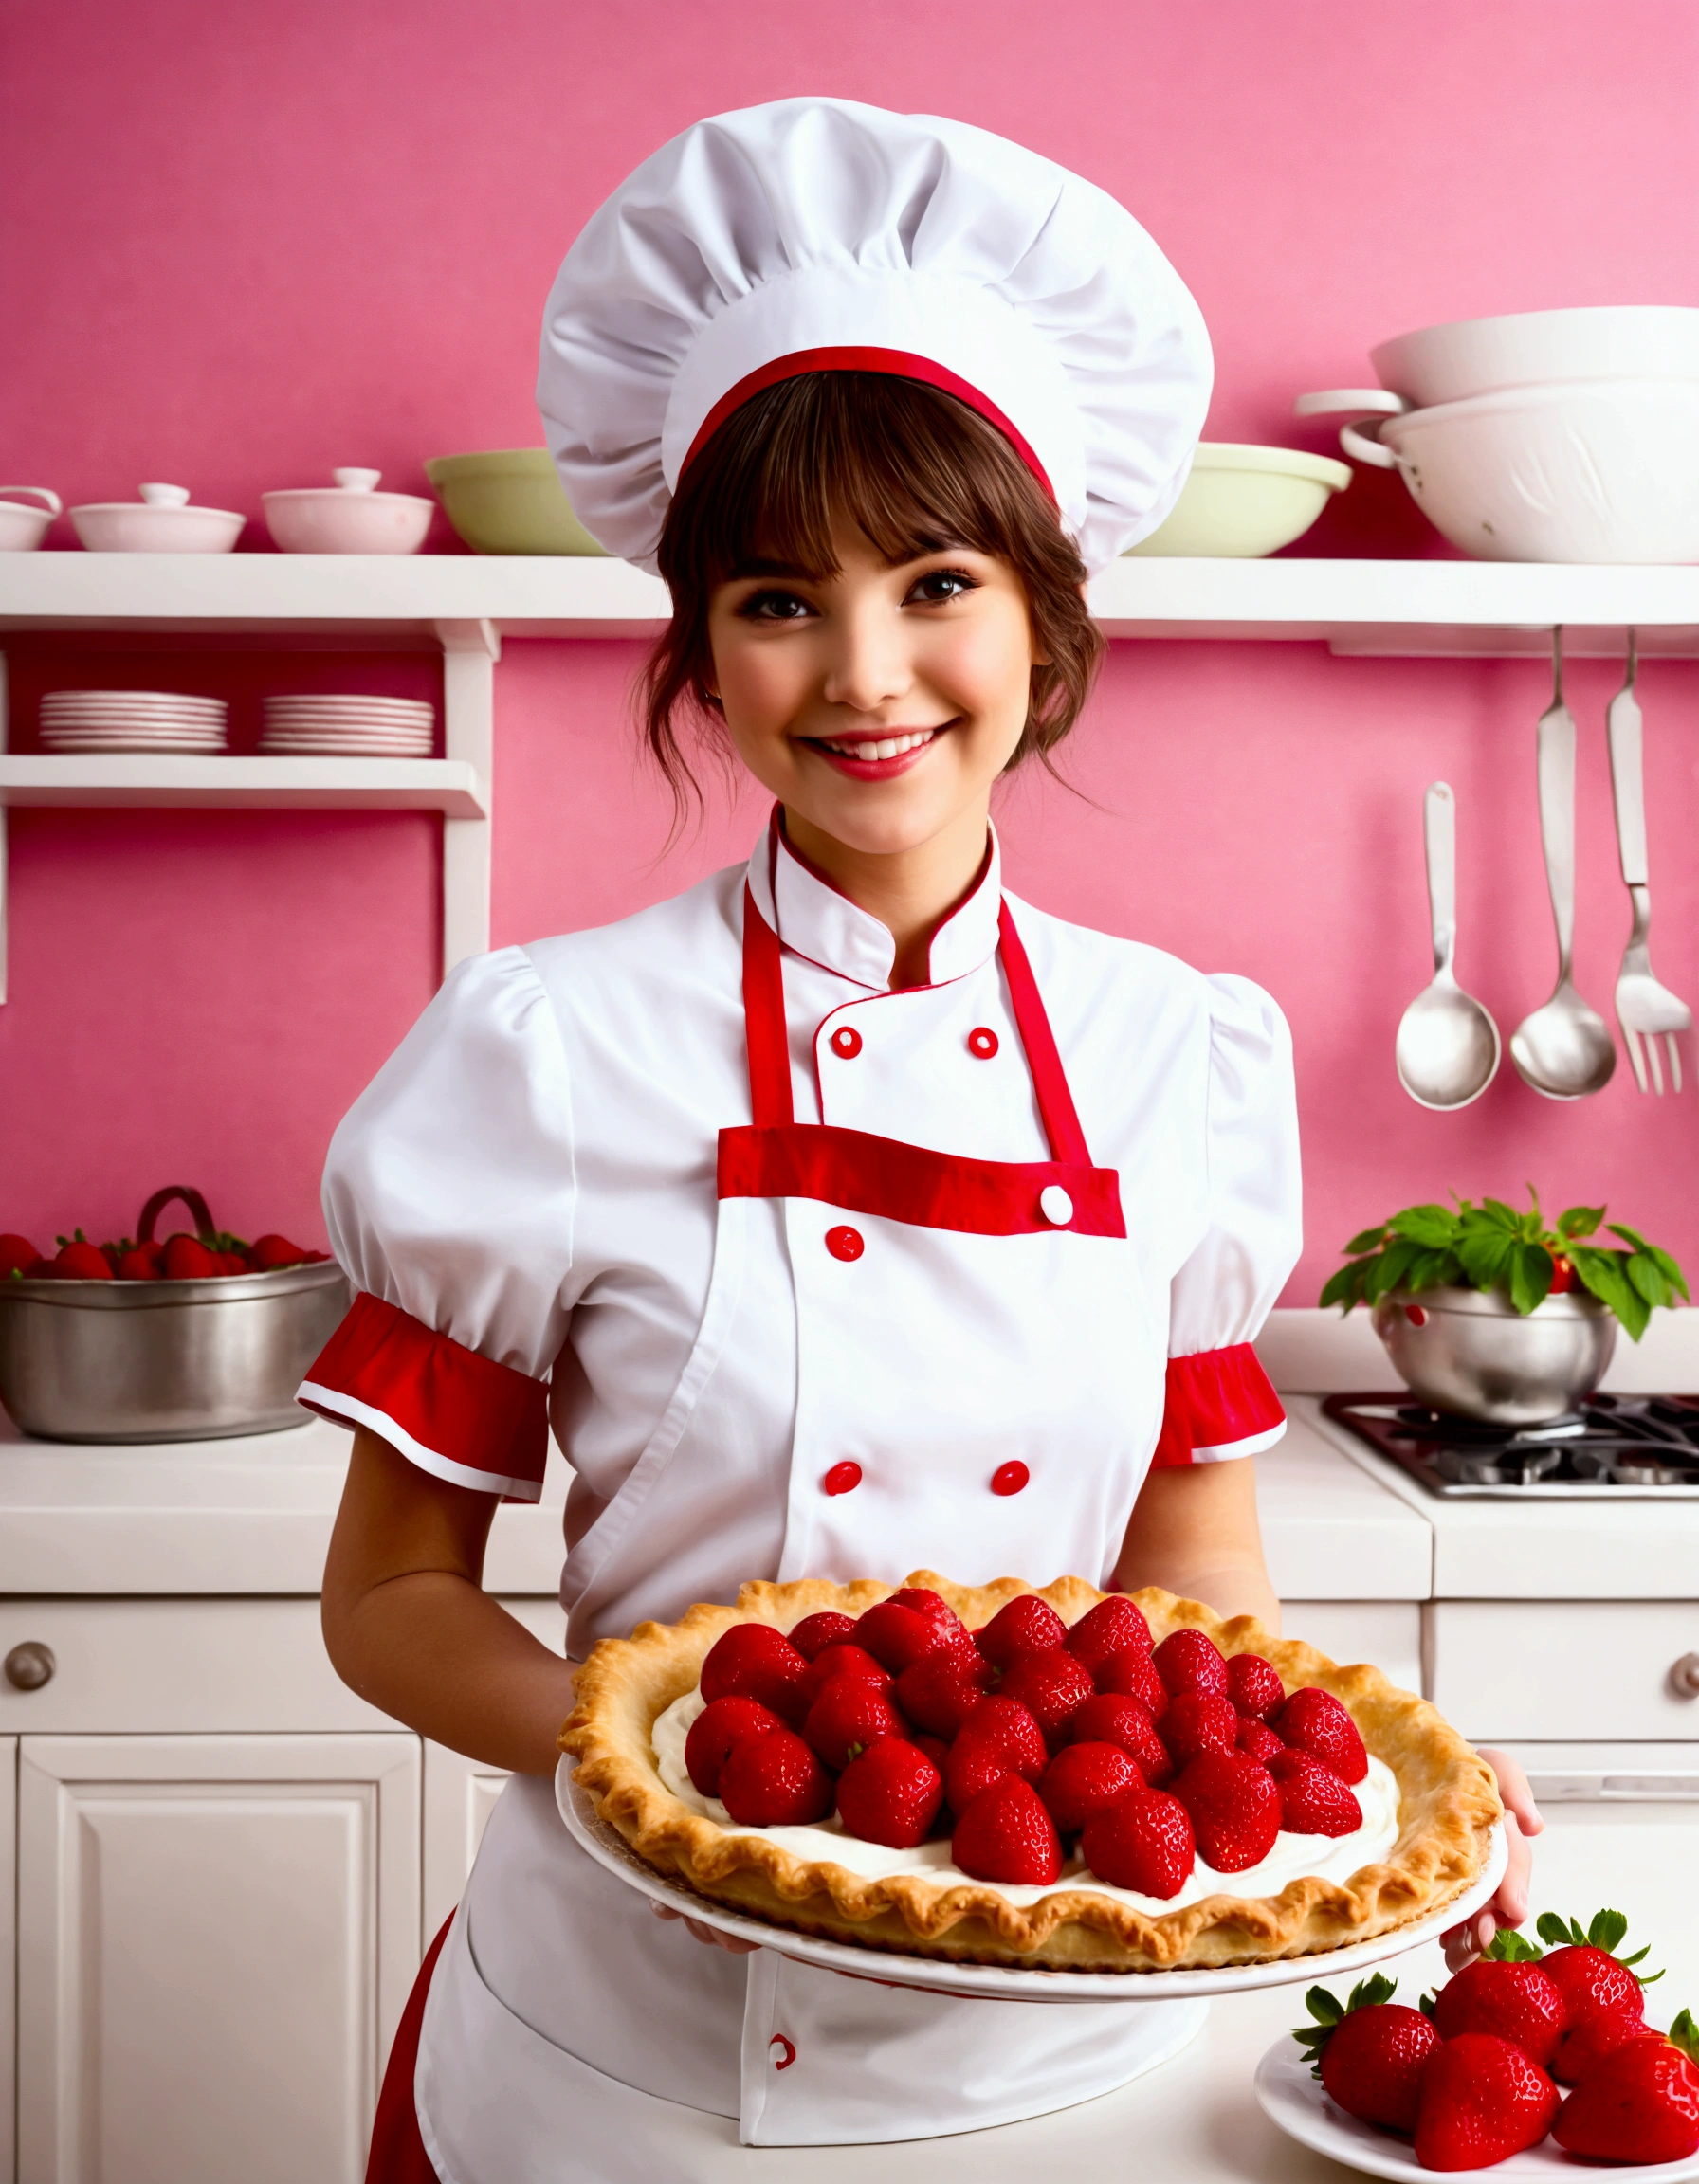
{"x": 774, "y": 1781}
{"x": 1131, "y": 1674}
{"x": 1026, "y": 1625}
{"x": 998, "y": 1737}
{"x": 848, "y": 1719}
{"x": 266, "y": 1253}
{"x": 841, "y": 1659}
{"x": 1313, "y": 1800}
{"x": 1314, "y": 1721}
{"x": 1188, "y": 1661}
{"x": 1257, "y": 1739}
{"x": 187, "y": 1258}
{"x": 1512, "y": 2000}
{"x": 1481, "y": 2100}
{"x": 1370, "y": 2055}
{"x": 16, "y": 1253}
{"x": 890, "y": 1793}
{"x": 1198, "y": 1721}
{"x": 82, "y": 1261}
{"x": 1007, "y": 1834}
{"x": 143, "y": 1262}
{"x": 1085, "y": 1779}
{"x": 716, "y": 1731}
{"x": 1109, "y": 1718}
{"x": 754, "y": 1661}
{"x": 929, "y": 1604}
{"x": 1587, "y": 2044}
{"x": 1639, "y": 2104}
{"x": 1109, "y": 1628}
{"x": 940, "y": 1691}
{"x": 897, "y": 1637}
{"x": 233, "y": 1262}
{"x": 1254, "y": 1685}
{"x": 1234, "y": 1807}
{"x": 1051, "y": 1686}
{"x": 815, "y": 1633}
{"x": 1585, "y": 1968}
{"x": 1143, "y": 1841}
{"x": 934, "y": 1747}
{"x": 41, "y": 1270}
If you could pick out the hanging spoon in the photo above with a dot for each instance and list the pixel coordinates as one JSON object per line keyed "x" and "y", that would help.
{"x": 1563, "y": 1049}
{"x": 1447, "y": 1046}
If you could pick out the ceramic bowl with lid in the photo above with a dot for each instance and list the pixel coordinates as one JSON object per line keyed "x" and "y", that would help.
{"x": 161, "y": 522}
{"x": 22, "y": 528}
{"x": 349, "y": 517}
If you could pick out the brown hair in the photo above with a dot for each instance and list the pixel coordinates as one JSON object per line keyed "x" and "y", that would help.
{"x": 917, "y": 471}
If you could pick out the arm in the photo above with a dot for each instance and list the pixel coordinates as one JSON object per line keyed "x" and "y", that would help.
{"x": 409, "y": 1626}
{"x": 1194, "y": 1531}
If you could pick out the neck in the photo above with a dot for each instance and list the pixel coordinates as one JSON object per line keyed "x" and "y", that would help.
{"x": 910, "y": 891}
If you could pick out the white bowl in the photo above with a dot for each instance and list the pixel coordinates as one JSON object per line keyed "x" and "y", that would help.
{"x": 1240, "y": 503}
{"x": 1595, "y": 471}
{"x": 23, "y": 529}
{"x": 1539, "y": 348}
{"x": 160, "y": 522}
{"x": 348, "y": 517}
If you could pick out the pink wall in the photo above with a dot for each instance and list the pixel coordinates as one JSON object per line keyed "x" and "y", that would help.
{"x": 238, "y": 245}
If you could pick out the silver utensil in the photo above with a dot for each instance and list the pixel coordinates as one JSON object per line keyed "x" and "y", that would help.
{"x": 1447, "y": 1046}
{"x": 1644, "y": 1008}
{"x": 1565, "y": 1049}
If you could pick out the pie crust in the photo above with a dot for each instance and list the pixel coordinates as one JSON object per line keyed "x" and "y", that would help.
{"x": 1448, "y": 1806}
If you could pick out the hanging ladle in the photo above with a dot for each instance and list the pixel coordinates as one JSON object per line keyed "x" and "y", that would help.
{"x": 1565, "y": 1049}
{"x": 1448, "y": 1045}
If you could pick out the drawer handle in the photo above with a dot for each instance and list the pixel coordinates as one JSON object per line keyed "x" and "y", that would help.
{"x": 1683, "y": 1677}
{"x": 32, "y": 1665}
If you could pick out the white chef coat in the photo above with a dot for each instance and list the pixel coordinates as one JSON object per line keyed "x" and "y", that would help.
{"x": 528, "y": 1189}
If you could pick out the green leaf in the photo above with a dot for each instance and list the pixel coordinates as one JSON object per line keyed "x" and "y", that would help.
{"x": 1601, "y": 1272}
{"x": 1531, "y": 1271}
{"x": 1685, "y": 2033}
{"x": 1370, "y": 1994}
{"x": 1646, "y": 1278}
{"x": 1661, "y": 1260}
{"x": 1580, "y": 1221}
{"x": 1345, "y": 1287}
{"x": 1485, "y": 1258}
{"x": 1426, "y": 2007}
{"x": 1509, "y": 1947}
{"x": 1501, "y": 1216}
{"x": 1325, "y": 2008}
{"x": 1607, "y": 1929}
{"x": 1435, "y": 1226}
{"x": 1433, "y": 1270}
{"x": 1367, "y": 1240}
{"x": 1387, "y": 1272}
{"x": 1551, "y": 1928}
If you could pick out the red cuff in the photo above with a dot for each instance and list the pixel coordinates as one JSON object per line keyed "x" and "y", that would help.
{"x": 458, "y": 1416}
{"x": 1220, "y": 1404}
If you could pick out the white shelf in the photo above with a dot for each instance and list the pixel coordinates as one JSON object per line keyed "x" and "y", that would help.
{"x": 1406, "y": 608}
{"x": 445, "y": 785}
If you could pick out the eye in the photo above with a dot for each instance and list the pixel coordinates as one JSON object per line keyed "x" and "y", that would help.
{"x": 939, "y": 586}
{"x": 774, "y": 607}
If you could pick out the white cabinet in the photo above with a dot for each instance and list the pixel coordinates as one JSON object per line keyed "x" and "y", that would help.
{"x": 216, "y": 1935}
{"x": 1564, "y": 1668}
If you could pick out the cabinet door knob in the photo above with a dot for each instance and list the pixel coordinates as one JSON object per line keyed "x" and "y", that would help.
{"x": 1683, "y": 1677}
{"x": 32, "y": 1665}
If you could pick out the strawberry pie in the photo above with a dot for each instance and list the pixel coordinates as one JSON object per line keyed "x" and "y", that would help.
{"x": 1012, "y": 1774}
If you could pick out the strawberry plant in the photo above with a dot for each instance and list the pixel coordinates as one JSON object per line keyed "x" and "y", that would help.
{"x": 1494, "y": 1247}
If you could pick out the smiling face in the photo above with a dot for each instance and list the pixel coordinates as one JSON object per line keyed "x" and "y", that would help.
{"x": 878, "y": 702}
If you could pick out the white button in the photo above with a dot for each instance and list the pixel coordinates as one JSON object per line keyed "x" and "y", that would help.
{"x": 1055, "y": 1204}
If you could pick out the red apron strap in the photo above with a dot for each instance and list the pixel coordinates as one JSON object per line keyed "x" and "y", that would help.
{"x": 764, "y": 1021}
{"x": 1049, "y": 1080}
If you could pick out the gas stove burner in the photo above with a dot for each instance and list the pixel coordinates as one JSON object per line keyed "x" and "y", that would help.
{"x": 1614, "y": 1445}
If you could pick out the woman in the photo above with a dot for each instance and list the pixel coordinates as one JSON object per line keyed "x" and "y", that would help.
{"x": 844, "y": 1215}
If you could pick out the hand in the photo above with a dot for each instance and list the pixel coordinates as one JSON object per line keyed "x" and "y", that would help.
{"x": 710, "y": 1935}
{"x": 1509, "y": 1907}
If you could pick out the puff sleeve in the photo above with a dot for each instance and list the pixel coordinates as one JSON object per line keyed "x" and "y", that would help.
{"x": 1220, "y": 1403}
{"x": 448, "y": 1195}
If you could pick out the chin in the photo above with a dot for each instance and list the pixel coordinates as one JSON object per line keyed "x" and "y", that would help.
{"x": 878, "y": 825}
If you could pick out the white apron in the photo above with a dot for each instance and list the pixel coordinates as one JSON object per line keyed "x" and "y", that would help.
{"x": 978, "y": 1388}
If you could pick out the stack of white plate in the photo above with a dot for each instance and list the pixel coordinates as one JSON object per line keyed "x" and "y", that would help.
{"x": 87, "y": 720}
{"x": 348, "y": 728}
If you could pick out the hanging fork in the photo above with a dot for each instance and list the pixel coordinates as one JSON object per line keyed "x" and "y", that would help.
{"x": 1644, "y": 1008}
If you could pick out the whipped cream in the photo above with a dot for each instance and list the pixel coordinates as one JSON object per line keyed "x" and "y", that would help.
{"x": 1328, "y": 1857}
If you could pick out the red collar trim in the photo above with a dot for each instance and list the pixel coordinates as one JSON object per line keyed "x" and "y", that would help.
{"x": 778, "y": 840}
{"x": 896, "y": 364}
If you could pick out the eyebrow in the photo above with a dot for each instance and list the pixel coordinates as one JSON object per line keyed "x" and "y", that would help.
{"x": 787, "y": 570}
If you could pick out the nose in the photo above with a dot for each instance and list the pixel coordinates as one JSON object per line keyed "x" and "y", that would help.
{"x": 868, "y": 665}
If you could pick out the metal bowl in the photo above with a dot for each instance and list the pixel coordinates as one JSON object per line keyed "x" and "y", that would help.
{"x": 1469, "y": 1351}
{"x": 164, "y": 1360}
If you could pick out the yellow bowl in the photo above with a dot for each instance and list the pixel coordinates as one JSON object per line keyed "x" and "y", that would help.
{"x": 509, "y": 502}
{"x": 1240, "y": 503}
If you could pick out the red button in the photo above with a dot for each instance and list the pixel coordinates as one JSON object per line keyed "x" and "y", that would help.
{"x": 841, "y": 1479}
{"x": 845, "y": 1041}
{"x": 982, "y": 1042}
{"x": 845, "y": 1243}
{"x": 1009, "y": 1477}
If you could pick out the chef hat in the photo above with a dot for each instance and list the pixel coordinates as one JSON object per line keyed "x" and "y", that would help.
{"x": 816, "y": 234}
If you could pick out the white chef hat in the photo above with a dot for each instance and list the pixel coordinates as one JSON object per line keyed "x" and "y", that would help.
{"x": 816, "y": 234}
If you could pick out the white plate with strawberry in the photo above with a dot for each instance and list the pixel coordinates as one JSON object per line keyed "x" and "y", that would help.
{"x": 1526, "y": 2064}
